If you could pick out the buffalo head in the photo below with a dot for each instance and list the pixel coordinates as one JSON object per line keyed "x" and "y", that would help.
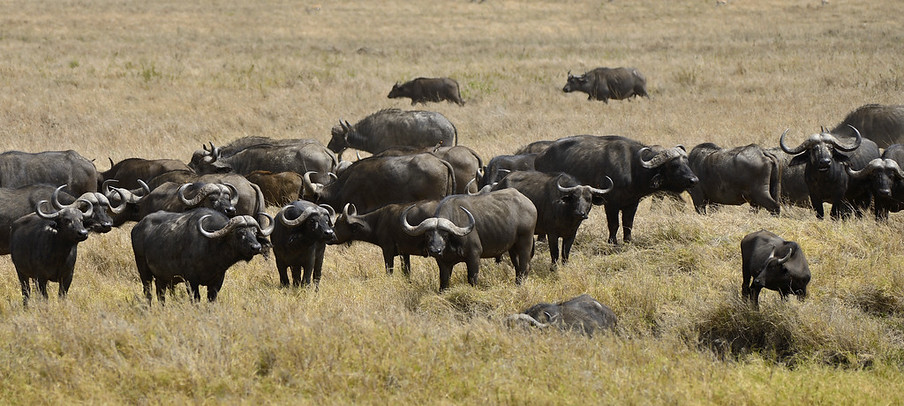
{"x": 580, "y": 199}
{"x": 820, "y": 150}
{"x": 221, "y": 198}
{"x": 244, "y": 232}
{"x": 438, "y": 230}
{"x": 882, "y": 175}
{"x": 313, "y": 222}
{"x": 339, "y": 136}
{"x": 672, "y": 171}
{"x": 67, "y": 221}
{"x": 206, "y": 160}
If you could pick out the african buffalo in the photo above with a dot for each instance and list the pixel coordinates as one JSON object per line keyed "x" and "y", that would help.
{"x": 129, "y": 171}
{"x": 582, "y": 313}
{"x": 635, "y": 170}
{"x": 250, "y": 200}
{"x": 377, "y": 181}
{"x": 177, "y": 198}
{"x": 300, "y": 234}
{"x": 278, "y": 188}
{"x": 883, "y": 124}
{"x": 393, "y": 128}
{"x": 562, "y": 205}
{"x": 382, "y": 228}
{"x": 608, "y": 83}
{"x": 502, "y": 165}
{"x": 770, "y": 262}
{"x": 747, "y": 174}
{"x": 885, "y": 180}
{"x": 299, "y": 157}
{"x": 497, "y": 222}
{"x": 464, "y": 161}
{"x": 44, "y": 246}
{"x": 50, "y": 167}
{"x": 825, "y": 158}
{"x": 423, "y": 90}
{"x": 794, "y": 182}
{"x": 535, "y": 147}
{"x": 195, "y": 247}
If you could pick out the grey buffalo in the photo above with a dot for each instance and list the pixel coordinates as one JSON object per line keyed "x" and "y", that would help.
{"x": 826, "y": 158}
{"x": 535, "y": 147}
{"x": 250, "y": 201}
{"x": 177, "y": 198}
{"x": 390, "y": 128}
{"x": 770, "y": 262}
{"x": 382, "y": 228}
{"x": 464, "y": 161}
{"x": 44, "y": 246}
{"x": 735, "y": 176}
{"x": 502, "y": 165}
{"x": 299, "y": 157}
{"x": 635, "y": 170}
{"x": 423, "y": 90}
{"x": 608, "y": 83}
{"x": 51, "y": 167}
{"x": 465, "y": 228}
{"x": 195, "y": 247}
{"x": 885, "y": 181}
{"x": 562, "y": 205}
{"x": 128, "y": 172}
{"x": 300, "y": 234}
{"x": 883, "y": 124}
{"x": 583, "y": 313}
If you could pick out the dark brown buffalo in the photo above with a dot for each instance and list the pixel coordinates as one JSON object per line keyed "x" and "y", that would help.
{"x": 883, "y": 124}
{"x": 390, "y": 128}
{"x": 770, "y": 262}
{"x": 747, "y": 174}
{"x": 635, "y": 170}
{"x": 885, "y": 180}
{"x": 195, "y": 247}
{"x": 300, "y": 234}
{"x": 376, "y": 181}
{"x": 278, "y": 188}
{"x": 300, "y": 156}
{"x": 382, "y": 228}
{"x": 423, "y": 90}
{"x": 129, "y": 171}
{"x": 582, "y": 313}
{"x": 562, "y": 205}
{"x": 250, "y": 200}
{"x": 52, "y": 168}
{"x": 826, "y": 158}
{"x": 608, "y": 83}
{"x": 43, "y": 245}
{"x": 502, "y": 165}
{"x": 494, "y": 223}
{"x": 464, "y": 160}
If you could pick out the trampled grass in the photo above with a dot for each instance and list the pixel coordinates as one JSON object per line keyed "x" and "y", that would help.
{"x": 115, "y": 79}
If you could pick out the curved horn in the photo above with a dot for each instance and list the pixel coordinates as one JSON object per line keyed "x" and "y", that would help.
{"x": 271, "y": 224}
{"x": 564, "y": 189}
{"x": 123, "y": 199}
{"x": 313, "y": 189}
{"x": 307, "y": 212}
{"x": 230, "y": 225}
{"x": 41, "y": 214}
{"x": 329, "y": 209}
{"x": 449, "y": 226}
{"x": 90, "y": 211}
{"x": 234, "y": 193}
{"x": 868, "y": 170}
{"x": 603, "y": 191}
{"x": 514, "y": 318}
{"x": 893, "y": 165}
{"x": 357, "y": 155}
{"x": 844, "y": 148}
{"x": 350, "y": 210}
{"x": 468, "y": 187}
{"x": 427, "y": 224}
{"x": 800, "y": 148}
{"x": 205, "y": 190}
{"x": 786, "y": 257}
{"x": 105, "y": 187}
{"x": 660, "y": 157}
{"x": 55, "y": 197}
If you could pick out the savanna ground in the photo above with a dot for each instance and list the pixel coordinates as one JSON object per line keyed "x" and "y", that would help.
{"x": 119, "y": 79}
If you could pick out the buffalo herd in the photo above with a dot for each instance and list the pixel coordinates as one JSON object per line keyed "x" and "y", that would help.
{"x": 420, "y": 193}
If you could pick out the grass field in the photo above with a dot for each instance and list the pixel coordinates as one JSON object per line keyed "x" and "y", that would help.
{"x": 117, "y": 79}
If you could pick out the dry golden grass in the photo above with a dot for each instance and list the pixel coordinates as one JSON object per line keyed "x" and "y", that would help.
{"x": 158, "y": 79}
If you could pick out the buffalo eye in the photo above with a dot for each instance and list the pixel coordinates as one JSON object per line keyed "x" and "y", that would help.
{"x": 568, "y": 198}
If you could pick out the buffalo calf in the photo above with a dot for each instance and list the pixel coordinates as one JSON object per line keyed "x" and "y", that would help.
{"x": 770, "y": 262}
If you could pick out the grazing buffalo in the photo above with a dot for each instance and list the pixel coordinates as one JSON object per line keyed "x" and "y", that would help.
{"x": 394, "y": 128}
{"x": 608, "y": 83}
{"x": 635, "y": 171}
{"x": 497, "y": 222}
{"x": 464, "y": 161}
{"x": 423, "y": 90}
{"x": 177, "y": 198}
{"x": 382, "y": 228}
{"x": 44, "y": 246}
{"x": 582, "y": 313}
{"x": 735, "y": 176}
{"x": 825, "y": 158}
{"x": 128, "y": 172}
{"x": 377, "y": 181}
{"x": 770, "y": 262}
{"x": 885, "y": 180}
{"x": 299, "y": 157}
{"x": 250, "y": 201}
{"x": 195, "y": 247}
{"x": 300, "y": 234}
{"x": 562, "y": 205}
{"x": 278, "y": 188}
{"x": 502, "y": 165}
{"x": 883, "y": 124}
{"x": 535, "y": 147}
{"x": 51, "y": 167}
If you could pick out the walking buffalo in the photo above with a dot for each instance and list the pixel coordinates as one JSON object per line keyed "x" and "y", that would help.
{"x": 497, "y": 222}
{"x": 747, "y": 174}
{"x": 423, "y": 90}
{"x": 44, "y": 246}
{"x": 582, "y": 313}
{"x": 608, "y": 83}
{"x": 394, "y": 128}
{"x": 300, "y": 234}
{"x": 195, "y": 247}
{"x": 883, "y": 124}
{"x": 826, "y": 158}
{"x": 770, "y": 262}
{"x": 635, "y": 171}
{"x": 562, "y": 205}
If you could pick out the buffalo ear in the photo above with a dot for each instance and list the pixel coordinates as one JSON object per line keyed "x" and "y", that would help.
{"x": 840, "y": 157}
{"x": 798, "y": 160}
{"x": 598, "y": 200}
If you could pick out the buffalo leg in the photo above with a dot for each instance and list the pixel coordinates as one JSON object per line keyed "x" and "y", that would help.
{"x": 161, "y": 291}
{"x": 406, "y": 265}
{"x": 755, "y": 296}
{"x": 612, "y": 223}
{"x": 388, "y": 260}
{"x": 474, "y": 268}
{"x": 26, "y": 289}
{"x": 816, "y": 202}
{"x": 567, "y": 242}
{"x": 628, "y": 220}
{"x": 445, "y": 274}
{"x": 42, "y": 287}
{"x": 318, "y": 262}
{"x": 145, "y": 275}
{"x": 553, "y": 247}
{"x": 283, "y": 270}
{"x": 196, "y": 291}
{"x": 65, "y": 282}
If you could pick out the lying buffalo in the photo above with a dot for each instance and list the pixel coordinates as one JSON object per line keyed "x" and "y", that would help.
{"x": 608, "y": 83}
{"x": 394, "y": 128}
{"x": 883, "y": 124}
{"x": 735, "y": 176}
{"x": 423, "y": 90}
{"x": 770, "y": 262}
{"x": 582, "y": 313}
